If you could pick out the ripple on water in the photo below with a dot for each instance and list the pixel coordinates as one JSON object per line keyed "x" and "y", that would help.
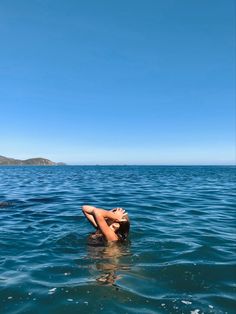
{"x": 181, "y": 254}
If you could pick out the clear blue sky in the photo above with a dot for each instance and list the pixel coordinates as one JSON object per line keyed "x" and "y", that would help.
{"x": 118, "y": 82}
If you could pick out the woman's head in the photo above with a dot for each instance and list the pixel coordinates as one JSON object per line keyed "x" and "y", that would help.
{"x": 123, "y": 230}
{"x": 122, "y": 227}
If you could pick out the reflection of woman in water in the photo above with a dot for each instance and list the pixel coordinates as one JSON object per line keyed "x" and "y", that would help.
{"x": 111, "y": 226}
{"x": 109, "y": 262}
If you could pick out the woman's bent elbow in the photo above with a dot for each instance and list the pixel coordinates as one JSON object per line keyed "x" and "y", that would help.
{"x": 87, "y": 209}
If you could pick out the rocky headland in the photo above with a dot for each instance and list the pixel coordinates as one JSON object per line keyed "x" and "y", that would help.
{"x": 6, "y": 161}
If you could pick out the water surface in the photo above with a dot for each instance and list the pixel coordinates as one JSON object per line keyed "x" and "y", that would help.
{"x": 180, "y": 257}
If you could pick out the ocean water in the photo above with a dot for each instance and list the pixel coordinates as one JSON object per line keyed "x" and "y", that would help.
{"x": 180, "y": 257}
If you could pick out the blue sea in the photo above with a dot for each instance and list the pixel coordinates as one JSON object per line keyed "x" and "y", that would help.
{"x": 180, "y": 257}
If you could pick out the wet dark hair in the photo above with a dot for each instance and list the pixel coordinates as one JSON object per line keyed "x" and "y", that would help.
{"x": 123, "y": 230}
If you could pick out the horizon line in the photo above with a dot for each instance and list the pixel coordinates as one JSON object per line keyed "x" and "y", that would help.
{"x": 149, "y": 165}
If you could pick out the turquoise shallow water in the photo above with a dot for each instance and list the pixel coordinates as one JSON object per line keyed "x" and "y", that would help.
{"x": 180, "y": 258}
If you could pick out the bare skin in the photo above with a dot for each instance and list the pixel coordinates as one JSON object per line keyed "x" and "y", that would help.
{"x": 98, "y": 218}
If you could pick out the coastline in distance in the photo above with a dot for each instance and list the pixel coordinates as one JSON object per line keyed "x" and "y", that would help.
{"x": 6, "y": 161}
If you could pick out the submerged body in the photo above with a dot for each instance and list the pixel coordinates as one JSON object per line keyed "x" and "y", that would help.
{"x": 111, "y": 226}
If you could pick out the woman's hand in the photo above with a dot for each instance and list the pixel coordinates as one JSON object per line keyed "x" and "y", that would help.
{"x": 119, "y": 213}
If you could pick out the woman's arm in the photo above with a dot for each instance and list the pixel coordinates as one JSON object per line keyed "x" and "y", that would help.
{"x": 87, "y": 210}
{"x": 101, "y": 214}
{"x": 98, "y": 216}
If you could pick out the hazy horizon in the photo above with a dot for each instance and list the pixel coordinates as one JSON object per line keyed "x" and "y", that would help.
{"x": 125, "y": 164}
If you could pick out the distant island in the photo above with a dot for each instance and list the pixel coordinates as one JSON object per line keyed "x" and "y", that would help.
{"x": 5, "y": 161}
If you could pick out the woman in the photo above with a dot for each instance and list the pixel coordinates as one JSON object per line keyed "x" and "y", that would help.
{"x": 111, "y": 225}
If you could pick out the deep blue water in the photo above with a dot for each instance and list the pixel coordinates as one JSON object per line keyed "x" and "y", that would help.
{"x": 180, "y": 258}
